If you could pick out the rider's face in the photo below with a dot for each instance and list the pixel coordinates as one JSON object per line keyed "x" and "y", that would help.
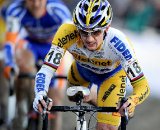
{"x": 36, "y": 7}
{"x": 92, "y": 40}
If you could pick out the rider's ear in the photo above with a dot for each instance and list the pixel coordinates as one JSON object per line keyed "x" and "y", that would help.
{"x": 105, "y": 31}
{"x": 107, "y": 28}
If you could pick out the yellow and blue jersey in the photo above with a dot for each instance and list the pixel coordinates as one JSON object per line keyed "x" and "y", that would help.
{"x": 116, "y": 53}
{"x": 108, "y": 67}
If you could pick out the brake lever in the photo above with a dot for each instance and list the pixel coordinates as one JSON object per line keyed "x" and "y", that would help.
{"x": 124, "y": 119}
{"x": 123, "y": 100}
{"x": 44, "y": 114}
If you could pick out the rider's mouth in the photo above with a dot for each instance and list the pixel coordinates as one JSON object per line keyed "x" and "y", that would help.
{"x": 90, "y": 44}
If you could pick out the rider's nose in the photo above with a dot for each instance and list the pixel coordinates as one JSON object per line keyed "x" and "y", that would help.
{"x": 89, "y": 38}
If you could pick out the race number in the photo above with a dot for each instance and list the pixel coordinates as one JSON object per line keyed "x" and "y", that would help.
{"x": 54, "y": 56}
{"x": 133, "y": 70}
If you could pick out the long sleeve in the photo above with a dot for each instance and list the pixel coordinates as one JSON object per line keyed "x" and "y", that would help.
{"x": 141, "y": 90}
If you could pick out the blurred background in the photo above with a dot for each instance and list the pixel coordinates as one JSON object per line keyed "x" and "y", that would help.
{"x": 140, "y": 21}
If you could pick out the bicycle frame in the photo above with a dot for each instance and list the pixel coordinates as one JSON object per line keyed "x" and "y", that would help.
{"x": 81, "y": 123}
{"x": 80, "y": 116}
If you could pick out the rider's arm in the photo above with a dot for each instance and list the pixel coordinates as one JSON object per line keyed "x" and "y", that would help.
{"x": 130, "y": 64}
{"x": 124, "y": 49}
{"x": 136, "y": 76}
{"x": 64, "y": 37}
{"x": 44, "y": 75}
{"x": 51, "y": 63}
{"x": 43, "y": 78}
{"x": 42, "y": 81}
{"x": 138, "y": 81}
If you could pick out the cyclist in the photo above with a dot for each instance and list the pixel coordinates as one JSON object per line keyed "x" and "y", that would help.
{"x": 103, "y": 55}
{"x": 31, "y": 24}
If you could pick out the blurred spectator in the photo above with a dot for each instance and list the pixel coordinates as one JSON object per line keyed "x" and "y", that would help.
{"x": 139, "y": 15}
{"x": 120, "y": 7}
{"x": 135, "y": 15}
{"x": 156, "y": 18}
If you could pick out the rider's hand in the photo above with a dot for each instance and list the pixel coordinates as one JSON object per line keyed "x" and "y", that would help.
{"x": 131, "y": 108}
{"x": 39, "y": 103}
{"x": 130, "y": 105}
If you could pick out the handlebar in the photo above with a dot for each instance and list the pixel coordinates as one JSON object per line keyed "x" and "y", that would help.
{"x": 80, "y": 108}
{"x": 83, "y": 108}
{"x": 124, "y": 119}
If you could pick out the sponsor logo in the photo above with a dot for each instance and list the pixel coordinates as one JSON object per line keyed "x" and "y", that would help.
{"x": 135, "y": 99}
{"x": 67, "y": 38}
{"x": 120, "y": 46}
{"x": 116, "y": 114}
{"x": 100, "y": 70}
{"x": 108, "y": 92}
{"x": 40, "y": 81}
{"x": 94, "y": 61}
{"x": 144, "y": 95}
{"x": 122, "y": 89}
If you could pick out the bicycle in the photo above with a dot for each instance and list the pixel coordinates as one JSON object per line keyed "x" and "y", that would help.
{"x": 81, "y": 124}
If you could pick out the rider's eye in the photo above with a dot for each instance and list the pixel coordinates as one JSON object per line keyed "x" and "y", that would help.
{"x": 96, "y": 33}
{"x": 83, "y": 33}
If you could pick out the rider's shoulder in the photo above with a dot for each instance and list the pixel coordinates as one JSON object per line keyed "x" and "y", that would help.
{"x": 66, "y": 29}
{"x": 68, "y": 26}
{"x": 116, "y": 35}
{"x": 116, "y": 32}
{"x": 16, "y": 8}
{"x": 66, "y": 35}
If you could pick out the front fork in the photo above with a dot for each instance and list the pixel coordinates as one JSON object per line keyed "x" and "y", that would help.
{"x": 81, "y": 121}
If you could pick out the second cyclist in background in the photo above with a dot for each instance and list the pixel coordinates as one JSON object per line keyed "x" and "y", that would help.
{"x": 31, "y": 25}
